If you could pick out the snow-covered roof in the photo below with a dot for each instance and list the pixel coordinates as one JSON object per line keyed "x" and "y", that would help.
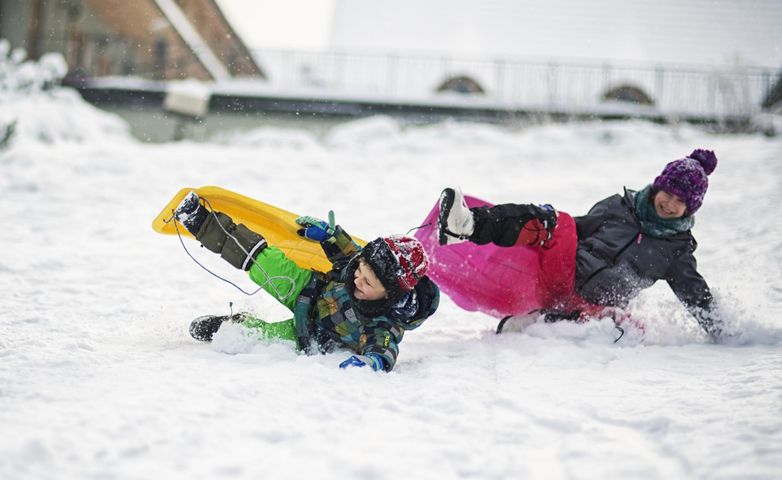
{"x": 715, "y": 32}
{"x": 194, "y": 40}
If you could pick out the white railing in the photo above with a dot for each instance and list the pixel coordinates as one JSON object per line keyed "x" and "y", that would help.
{"x": 559, "y": 86}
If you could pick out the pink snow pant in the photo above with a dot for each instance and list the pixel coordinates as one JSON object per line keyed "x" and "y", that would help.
{"x": 556, "y": 287}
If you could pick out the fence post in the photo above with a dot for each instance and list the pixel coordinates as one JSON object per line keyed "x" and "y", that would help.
{"x": 659, "y": 81}
{"x": 766, "y": 86}
{"x": 391, "y": 74}
{"x": 551, "y": 83}
{"x": 499, "y": 74}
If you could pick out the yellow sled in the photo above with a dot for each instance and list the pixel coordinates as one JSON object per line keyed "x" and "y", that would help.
{"x": 278, "y": 226}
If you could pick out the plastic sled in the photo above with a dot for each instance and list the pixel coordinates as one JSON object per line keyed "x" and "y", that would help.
{"x": 278, "y": 226}
{"x": 499, "y": 281}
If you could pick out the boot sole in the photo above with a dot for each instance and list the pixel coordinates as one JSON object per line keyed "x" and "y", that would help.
{"x": 446, "y": 203}
{"x": 203, "y": 328}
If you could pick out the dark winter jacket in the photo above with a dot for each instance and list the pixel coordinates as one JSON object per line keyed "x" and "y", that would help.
{"x": 615, "y": 261}
{"x": 327, "y": 315}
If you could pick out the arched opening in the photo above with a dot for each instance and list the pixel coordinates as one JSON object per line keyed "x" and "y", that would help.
{"x": 628, "y": 94}
{"x": 461, "y": 84}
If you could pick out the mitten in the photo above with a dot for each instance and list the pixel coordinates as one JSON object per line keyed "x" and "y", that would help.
{"x": 191, "y": 213}
{"x": 374, "y": 360}
{"x": 547, "y": 216}
{"x": 315, "y": 228}
{"x": 539, "y": 229}
{"x": 532, "y": 233}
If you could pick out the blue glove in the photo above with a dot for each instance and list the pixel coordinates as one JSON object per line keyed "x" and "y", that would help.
{"x": 374, "y": 360}
{"x": 316, "y": 229}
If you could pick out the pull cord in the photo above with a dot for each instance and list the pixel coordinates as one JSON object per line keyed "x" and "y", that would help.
{"x": 268, "y": 278}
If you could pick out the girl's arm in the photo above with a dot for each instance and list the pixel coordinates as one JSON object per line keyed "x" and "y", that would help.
{"x": 588, "y": 224}
{"x": 693, "y": 291}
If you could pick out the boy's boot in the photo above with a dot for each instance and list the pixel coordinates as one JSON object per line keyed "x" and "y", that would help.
{"x": 204, "y": 328}
{"x": 191, "y": 213}
{"x": 237, "y": 244}
{"x": 455, "y": 223}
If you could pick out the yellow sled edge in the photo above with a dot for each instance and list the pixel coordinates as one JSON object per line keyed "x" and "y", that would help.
{"x": 278, "y": 226}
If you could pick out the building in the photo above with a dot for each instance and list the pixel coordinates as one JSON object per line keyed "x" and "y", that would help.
{"x": 722, "y": 55}
{"x": 153, "y": 39}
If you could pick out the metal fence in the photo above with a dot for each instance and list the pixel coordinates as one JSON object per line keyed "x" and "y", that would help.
{"x": 672, "y": 90}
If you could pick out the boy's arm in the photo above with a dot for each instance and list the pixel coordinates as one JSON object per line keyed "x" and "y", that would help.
{"x": 339, "y": 246}
{"x": 380, "y": 346}
{"x": 379, "y": 351}
{"x": 336, "y": 243}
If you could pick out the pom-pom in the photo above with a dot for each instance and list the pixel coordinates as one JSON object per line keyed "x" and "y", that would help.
{"x": 706, "y": 158}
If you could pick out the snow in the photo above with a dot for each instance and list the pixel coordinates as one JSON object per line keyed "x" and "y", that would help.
{"x": 99, "y": 378}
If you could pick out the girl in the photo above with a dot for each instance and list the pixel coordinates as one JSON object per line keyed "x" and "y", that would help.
{"x": 624, "y": 244}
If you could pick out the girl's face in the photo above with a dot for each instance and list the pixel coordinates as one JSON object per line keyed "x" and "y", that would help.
{"x": 368, "y": 287}
{"x": 668, "y": 205}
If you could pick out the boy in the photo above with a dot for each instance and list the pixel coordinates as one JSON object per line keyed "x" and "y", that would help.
{"x": 365, "y": 303}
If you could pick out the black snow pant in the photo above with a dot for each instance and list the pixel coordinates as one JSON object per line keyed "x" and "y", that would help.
{"x": 501, "y": 224}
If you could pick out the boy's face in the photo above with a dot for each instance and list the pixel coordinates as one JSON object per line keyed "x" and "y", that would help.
{"x": 368, "y": 287}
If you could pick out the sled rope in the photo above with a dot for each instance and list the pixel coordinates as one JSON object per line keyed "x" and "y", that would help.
{"x": 621, "y": 332}
{"x": 427, "y": 224}
{"x": 269, "y": 279}
{"x": 504, "y": 320}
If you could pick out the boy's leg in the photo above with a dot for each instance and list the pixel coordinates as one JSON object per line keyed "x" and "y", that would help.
{"x": 285, "y": 330}
{"x": 216, "y": 231}
{"x": 236, "y": 244}
{"x": 203, "y": 328}
{"x": 279, "y": 276}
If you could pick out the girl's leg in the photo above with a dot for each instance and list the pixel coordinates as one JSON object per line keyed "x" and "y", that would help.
{"x": 557, "y": 262}
{"x": 557, "y": 272}
{"x": 502, "y": 224}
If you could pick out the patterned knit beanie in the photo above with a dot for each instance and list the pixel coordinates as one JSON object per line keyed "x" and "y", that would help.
{"x": 398, "y": 261}
{"x": 687, "y": 178}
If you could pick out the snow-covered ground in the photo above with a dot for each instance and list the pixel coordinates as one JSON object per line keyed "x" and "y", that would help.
{"x": 99, "y": 378}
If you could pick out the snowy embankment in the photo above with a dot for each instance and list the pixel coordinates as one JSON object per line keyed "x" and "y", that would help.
{"x": 99, "y": 378}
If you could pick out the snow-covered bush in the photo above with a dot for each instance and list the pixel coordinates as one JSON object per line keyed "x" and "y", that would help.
{"x": 20, "y": 77}
{"x": 35, "y": 107}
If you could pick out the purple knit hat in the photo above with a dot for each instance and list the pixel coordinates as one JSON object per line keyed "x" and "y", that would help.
{"x": 687, "y": 178}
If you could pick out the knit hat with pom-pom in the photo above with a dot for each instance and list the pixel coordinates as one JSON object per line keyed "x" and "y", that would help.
{"x": 398, "y": 261}
{"x": 687, "y": 178}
